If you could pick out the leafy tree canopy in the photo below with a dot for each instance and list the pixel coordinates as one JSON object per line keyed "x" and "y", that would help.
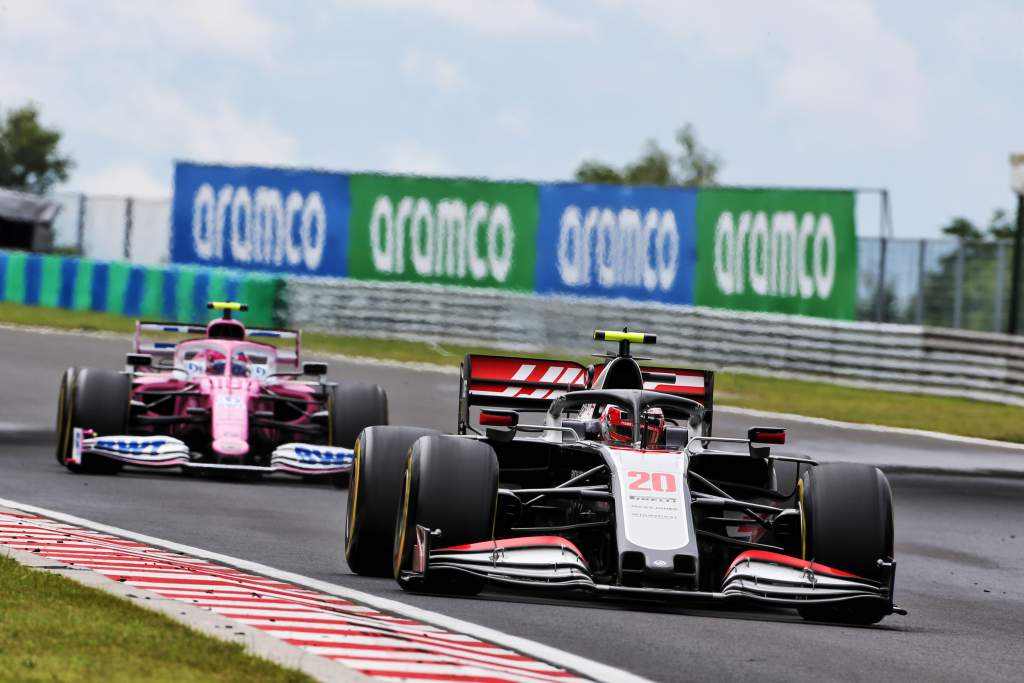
{"x": 1000, "y": 227}
{"x": 692, "y": 166}
{"x": 30, "y": 160}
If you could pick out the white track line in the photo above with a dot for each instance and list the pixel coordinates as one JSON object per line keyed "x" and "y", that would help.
{"x": 862, "y": 427}
{"x": 587, "y": 667}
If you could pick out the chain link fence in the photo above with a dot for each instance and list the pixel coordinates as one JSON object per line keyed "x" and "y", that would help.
{"x": 114, "y": 228}
{"x": 952, "y": 283}
{"x": 936, "y": 282}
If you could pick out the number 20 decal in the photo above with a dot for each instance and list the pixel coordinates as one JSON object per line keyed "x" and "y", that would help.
{"x": 662, "y": 482}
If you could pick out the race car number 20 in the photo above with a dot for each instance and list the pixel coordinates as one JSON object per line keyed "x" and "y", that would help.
{"x": 662, "y": 482}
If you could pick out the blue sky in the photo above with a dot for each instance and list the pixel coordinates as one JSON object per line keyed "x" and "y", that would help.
{"x": 925, "y": 98}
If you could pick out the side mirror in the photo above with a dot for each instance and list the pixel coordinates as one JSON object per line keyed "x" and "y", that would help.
{"x": 491, "y": 418}
{"x": 760, "y": 435}
{"x": 314, "y": 369}
{"x": 772, "y": 435}
{"x": 139, "y": 360}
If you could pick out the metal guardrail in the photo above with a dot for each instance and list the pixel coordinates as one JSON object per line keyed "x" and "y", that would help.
{"x": 910, "y": 358}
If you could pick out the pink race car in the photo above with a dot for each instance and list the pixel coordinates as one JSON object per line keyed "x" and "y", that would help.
{"x": 222, "y": 401}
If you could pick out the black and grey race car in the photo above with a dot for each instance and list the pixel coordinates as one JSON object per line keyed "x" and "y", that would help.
{"x": 621, "y": 490}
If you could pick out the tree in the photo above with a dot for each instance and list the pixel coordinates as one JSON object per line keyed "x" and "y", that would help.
{"x": 962, "y": 228}
{"x": 694, "y": 166}
{"x": 29, "y": 156}
{"x": 1000, "y": 227}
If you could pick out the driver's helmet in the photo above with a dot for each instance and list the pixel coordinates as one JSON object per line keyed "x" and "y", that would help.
{"x": 240, "y": 365}
{"x": 616, "y": 425}
{"x": 652, "y": 427}
{"x": 215, "y": 362}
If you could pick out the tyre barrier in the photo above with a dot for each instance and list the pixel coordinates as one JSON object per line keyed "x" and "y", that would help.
{"x": 152, "y": 292}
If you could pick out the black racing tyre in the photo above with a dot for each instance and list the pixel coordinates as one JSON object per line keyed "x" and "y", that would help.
{"x": 353, "y": 407}
{"x": 847, "y": 519}
{"x": 63, "y": 431}
{"x": 99, "y": 401}
{"x": 376, "y": 482}
{"x": 450, "y": 484}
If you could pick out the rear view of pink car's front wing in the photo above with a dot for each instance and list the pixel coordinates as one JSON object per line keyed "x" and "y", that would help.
{"x": 552, "y": 562}
{"x": 161, "y": 452}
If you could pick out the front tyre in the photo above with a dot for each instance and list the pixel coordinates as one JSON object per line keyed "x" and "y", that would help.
{"x": 67, "y": 383}
{"x": 848, "y": 525}
{"x": 353, "y": 407}
{"x": 450, "y": 487}
{"x": 377, "y": 470}
{"x": 99, "y": 401}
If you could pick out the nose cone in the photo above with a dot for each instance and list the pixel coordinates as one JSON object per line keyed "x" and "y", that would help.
{"x": 230, "y": 446}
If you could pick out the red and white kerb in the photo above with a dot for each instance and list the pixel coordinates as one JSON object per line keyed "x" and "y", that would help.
{"x": 375, "y": 643}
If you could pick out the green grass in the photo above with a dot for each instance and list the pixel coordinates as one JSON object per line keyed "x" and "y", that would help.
{"x": 814, "y": 399}
{"x": 55, "y": 630}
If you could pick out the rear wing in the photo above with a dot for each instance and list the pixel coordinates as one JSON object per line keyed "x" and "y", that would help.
{"x": 531, "y": 384}
{"x": 160, "y": 339}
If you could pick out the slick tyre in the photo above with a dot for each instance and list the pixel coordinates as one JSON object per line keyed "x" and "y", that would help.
{"x": 63, "y": 431}
{"x": 353, "y": 407}
{"x": 450, "y": 486}
{"x": 99, "y": 401}
{"x": 376, "y": 482}
{"x": 847, "y": 525}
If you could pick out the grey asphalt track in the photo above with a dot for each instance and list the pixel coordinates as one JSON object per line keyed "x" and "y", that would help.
{"x": 960, "y": 547}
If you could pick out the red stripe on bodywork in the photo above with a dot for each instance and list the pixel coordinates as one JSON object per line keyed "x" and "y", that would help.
{"x": 521, "y": 542}
{"x": 776, "y": 558}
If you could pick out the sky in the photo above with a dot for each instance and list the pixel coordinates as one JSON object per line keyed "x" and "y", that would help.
{"x": 923, "y": 98}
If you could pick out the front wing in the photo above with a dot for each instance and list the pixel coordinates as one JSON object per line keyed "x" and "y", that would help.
{"x": 161, "y": 452}
{"x": 552, "y": 562}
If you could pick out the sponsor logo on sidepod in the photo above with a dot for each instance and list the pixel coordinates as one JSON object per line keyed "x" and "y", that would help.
{"x": 263, "y": 226}
{"x": 442, "y": 240}
{"x": 622, "y": 248}
{"x": 770, "y": 254}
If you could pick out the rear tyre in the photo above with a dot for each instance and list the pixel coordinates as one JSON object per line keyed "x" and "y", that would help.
{"x": 353, "y": 407}
{"x": 63, "y": 431}
{"x": 450, "y": 484}
{"x": 847, "y": 525}
{"x": 376, "y": 482}
{"x": 99, "y": 401}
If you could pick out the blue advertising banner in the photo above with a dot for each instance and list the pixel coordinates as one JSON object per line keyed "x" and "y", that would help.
{"x": 607, "y": 241}
{"x": 260, "y": 219}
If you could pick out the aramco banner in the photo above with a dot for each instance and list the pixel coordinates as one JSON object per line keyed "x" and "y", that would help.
{"x": 455, "y": 232}
{"x": 779, "y": 251}
{"x": 631, "y": 242}
{"x": 260, "y": 219}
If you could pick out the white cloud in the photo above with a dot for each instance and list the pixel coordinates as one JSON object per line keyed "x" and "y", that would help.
{"x": 989, "y": 29}
{"x": 515, "y": 122}
{"x": 107, "y": 79}
{"x": 433, "y": 69}
{"x": 124, "y": 178}
{"x": 498, "y": 17}
{"x": 836, "y": 66}
{"x": 234, "y": 28}
{"x": 412, "y": 157}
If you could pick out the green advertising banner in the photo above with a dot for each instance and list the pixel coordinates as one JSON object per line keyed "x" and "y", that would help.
{"x": 778, "y": 251}
{"x": 453, "y": 232}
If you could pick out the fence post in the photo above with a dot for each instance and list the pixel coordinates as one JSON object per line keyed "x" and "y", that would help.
{"x": 880, "y": 289}
{"x": 128, "y": 215}
{"x": 919, "y": 313}
{"x": 958, "y": 285}
{"x": 1018, "y": 237}
{"x": 81, "y": 225}
{"x": 997, "y": 313}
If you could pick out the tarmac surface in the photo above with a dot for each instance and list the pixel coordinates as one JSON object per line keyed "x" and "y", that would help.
{"x": 959, "y": 542}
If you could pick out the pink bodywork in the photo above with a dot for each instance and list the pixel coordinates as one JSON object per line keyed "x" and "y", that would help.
{"x": 229, "y": 399}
